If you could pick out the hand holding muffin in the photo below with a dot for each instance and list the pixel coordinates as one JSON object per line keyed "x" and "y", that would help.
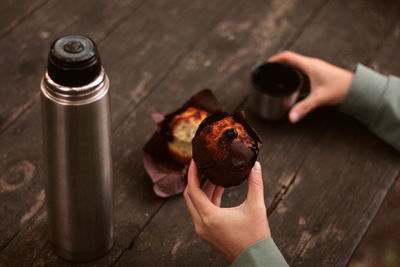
{"x": 225, "y": 148}
{"x": 229, "y": 230}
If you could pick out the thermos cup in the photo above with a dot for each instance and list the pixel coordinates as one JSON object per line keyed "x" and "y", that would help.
{"x": 275, "y": 87}
{"x": 77, "y": 151}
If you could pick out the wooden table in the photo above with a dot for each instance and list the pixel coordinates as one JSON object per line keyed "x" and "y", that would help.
{"x": 325, "y": 178}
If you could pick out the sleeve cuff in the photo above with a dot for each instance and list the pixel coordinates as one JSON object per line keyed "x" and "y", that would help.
{"x": 262, "y": 253}
{"x": 365, "y": 94}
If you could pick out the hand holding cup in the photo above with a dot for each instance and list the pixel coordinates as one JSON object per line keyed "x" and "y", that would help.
{"x": 329, "y": 83}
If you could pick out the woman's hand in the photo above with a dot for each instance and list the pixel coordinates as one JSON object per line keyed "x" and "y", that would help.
{"x": 329, "y": 83}
{"x": 229, "y": 230}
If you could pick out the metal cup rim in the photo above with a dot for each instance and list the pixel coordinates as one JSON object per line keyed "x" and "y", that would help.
{"x": 298, "y": 73}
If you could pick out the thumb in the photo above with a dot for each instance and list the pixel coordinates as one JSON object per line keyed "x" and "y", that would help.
{"x": 255, "y": 185}
{"x": 301, "y": 109}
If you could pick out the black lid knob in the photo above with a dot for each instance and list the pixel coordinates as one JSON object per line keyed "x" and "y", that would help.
{"x": 73, "y": 61}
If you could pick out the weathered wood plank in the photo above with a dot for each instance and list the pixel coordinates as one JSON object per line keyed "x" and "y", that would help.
{"x": 14, "y": 12}
{"x": 162, "y": 32}
{"x": 350, "y": 181}
{"x": 348, "y": 32}
{"x": 182, "y": 35}
{"x": 162, "y": 244}
{"x": 25, "y": 48}
{"x": 385, "y": 61}
{"x": 224, "y": 34}
{"x": 169, "y": 238}
{"x": 382, "y": 235}
{"x": 21, "y": 191}
{"x": 135, "y": 118}
{"x": 334, "y": 196}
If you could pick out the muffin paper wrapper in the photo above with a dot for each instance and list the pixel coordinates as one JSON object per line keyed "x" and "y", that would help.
{"x": 169, "y": 177}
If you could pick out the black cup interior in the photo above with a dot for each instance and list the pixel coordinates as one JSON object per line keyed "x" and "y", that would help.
{"x": 276, "y": 79}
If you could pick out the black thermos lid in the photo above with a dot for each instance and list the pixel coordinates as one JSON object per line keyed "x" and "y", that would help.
{"x": 73, "y": 60}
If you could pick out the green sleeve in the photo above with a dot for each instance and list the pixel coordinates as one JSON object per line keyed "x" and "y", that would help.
{"x": 374, "y": 99}
{"x": 262, "y": 253}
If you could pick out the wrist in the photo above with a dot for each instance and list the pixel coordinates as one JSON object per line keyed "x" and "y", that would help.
{"x": 346, "y": 81}
{"x": 249, "y": 246}
{"x": 230, "y": 257}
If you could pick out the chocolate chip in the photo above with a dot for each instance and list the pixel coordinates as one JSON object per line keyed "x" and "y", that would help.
{"x": 230, "y": 134}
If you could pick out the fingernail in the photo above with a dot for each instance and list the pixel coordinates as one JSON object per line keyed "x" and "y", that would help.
{"x": 294, "y": 116}
{"x": 256, "y": 167}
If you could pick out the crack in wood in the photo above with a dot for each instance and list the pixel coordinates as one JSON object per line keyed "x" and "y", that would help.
{"x": 20, "y": 20}
{"x": 150, "y": 91}
{"x": 241, "y": 104}
{"x": 20, "y": 111}
{"x": 306, "y": 23}
{"x": 283, "y": 191}
{"x": 313, "y": 237}
{"x": 25, "y": 107}
{"x": 371, "y": 221}
{"x": 285, "y": 188}
{"x": 23, "y": 228}
{"x": 280, "y": 195}
{"x": 382, "y": 41}
{"x": 138, "y": 234}
{"x": 120, "y": 22}
{"x": 173, "y": 66}
{"x": 177, "y": 61}
{"x": 301, "y": 251}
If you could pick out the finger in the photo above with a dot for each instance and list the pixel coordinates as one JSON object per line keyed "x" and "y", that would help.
{"x": 192, "y": 210}
{"x": 193, "y": 175}
{"x": 217, "y": 196}
{"x": 208, "y": 189}
{"x": 301, "y": 109}
{"x": 299, "y": 61}
{"x": 255, "y": 194}
{"x": 199, "y": 199}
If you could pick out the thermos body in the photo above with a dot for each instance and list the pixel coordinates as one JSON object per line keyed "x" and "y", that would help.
{"x": 78, "y": 167}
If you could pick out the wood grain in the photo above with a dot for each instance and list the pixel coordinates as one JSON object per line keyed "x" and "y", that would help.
{"x": 227, "y": 73}
{"x": 349, "y": 171}
{"x": 138, "y": 135}
{"x": 32, "y": 47}
{"x": 287, "y": 151}
{"x": 14, "y": 12}
{"x": 384, "y": 228}
{"x": 385, "y": 61}
{"x": 182, "y": 39}
{"x": 347, "y": 32}
{"x": 334, "y": 195}
{"x": 26, "y": 47}
{"x": 160, "y": 56}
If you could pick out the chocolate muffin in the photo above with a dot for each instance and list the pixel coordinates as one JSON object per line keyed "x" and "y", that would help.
{"x": 183, "y": 127}
{"x": 225, "y": 148}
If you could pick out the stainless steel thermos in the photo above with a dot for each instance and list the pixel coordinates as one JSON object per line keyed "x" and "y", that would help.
{"x": 77, "y": 151}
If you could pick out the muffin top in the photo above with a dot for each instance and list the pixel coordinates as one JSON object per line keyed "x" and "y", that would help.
{"x": 220, "y": 134}
{"x": 184, "y": 125}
